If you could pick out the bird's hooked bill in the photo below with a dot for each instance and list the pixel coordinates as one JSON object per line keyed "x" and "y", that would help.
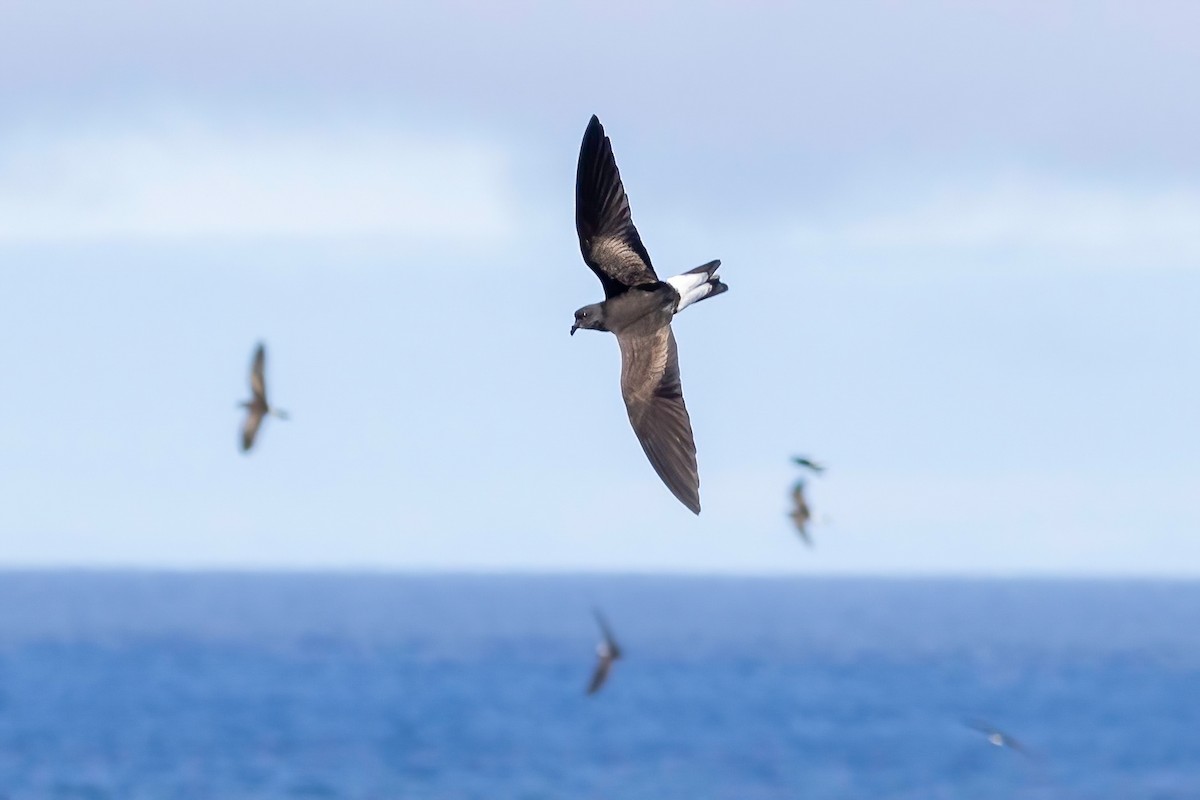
{"x": 573, "y": 329}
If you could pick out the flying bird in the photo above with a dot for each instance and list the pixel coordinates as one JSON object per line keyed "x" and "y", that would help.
{"x": 996, "y": 737}
{"x": 257, "y": 406}
{"x": 800, "y": 514}
{"x": 607, "y": 652}
{"x": 638, "y": 308}
{"x": 808, "y": 463}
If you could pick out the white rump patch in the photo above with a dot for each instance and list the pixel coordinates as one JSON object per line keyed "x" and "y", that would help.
{"x": 692, "y": 286}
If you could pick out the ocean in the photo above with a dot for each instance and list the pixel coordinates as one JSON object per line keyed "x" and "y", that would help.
{"x": 182, "y": 685}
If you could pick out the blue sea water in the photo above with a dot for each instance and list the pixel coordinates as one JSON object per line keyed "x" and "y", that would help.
{"x": 230, "y": 686}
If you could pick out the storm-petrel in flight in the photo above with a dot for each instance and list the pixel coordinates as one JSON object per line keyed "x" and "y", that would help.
{"x": 800, "y": 514}
{"x": 638, "y": 308}
{"x": 808, "y": 463}
{"x": 257, "y": 407}
{"x": 995, "y": 737}
{"x": 606, "y": 653}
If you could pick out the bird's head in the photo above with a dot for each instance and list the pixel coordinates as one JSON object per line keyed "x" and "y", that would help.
{"x": 589, "y": 317}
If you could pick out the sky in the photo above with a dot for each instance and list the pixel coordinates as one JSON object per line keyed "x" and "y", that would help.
{"x": 962, "y": 243}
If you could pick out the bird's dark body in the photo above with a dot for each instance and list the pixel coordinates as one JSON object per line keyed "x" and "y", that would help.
{"x": 643, "y": 309}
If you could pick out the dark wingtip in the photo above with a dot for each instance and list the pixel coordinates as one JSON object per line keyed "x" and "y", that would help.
{"x": 710, "y": 267}
{"x": 688, "y": 495}
{"x": 592, "y": 148}
{"x": 594, "y": 129}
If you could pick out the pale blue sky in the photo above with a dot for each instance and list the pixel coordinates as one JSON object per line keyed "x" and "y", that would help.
{"x": 962, "y": 243}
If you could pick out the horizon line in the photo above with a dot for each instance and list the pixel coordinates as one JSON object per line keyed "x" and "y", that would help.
{"x": 273, "y": 571}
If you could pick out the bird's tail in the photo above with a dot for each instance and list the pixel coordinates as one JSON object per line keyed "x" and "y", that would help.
{"x": 697, "y": 284}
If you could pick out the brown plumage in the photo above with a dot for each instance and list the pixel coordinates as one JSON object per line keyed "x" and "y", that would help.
{"x": 654, "y": 399}
{"x": 638, "y": 308}
{"x": 257, "y": 406}
{"x": 607, "y": 652}
{"x": 608, "y": 239}
{"x": 800, "y": 514}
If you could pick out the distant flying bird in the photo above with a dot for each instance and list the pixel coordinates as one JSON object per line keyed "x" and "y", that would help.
{"x": 257, "y": 407}
{"x": 607, "y": 652}
{"x": 996, "y": 737}
{"x": 800, "y": 514}
{"x": 807, "y": 462}
{"x": 638, "y": 308}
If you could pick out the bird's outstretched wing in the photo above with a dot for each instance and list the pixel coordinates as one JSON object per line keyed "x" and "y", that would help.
{"x": 600, "y": 675}
{"x": 258, "y": 381}
{"x": 609, "y": 639}
{"x": 800, "y": 513}
{"x": 808, "y": 463}
{"x": 654, "y": 399}
{"x": 995, "y": 735}
{"x": 607, "y": 238}
{"x": 254, "y": 417}
{"x": 608, "y": 652}
{"x": 798, "y": 500}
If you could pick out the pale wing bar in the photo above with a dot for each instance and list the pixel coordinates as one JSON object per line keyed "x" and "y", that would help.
{"x": 608, "y": 240}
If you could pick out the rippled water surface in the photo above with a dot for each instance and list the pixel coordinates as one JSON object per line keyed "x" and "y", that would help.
{"x": 321, "y": 686}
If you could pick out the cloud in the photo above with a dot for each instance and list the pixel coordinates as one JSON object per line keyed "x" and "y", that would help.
{"x": 1023, "y": 213}
{"x": 183, "y": 179}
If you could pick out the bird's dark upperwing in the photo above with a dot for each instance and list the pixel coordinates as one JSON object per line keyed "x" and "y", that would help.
{"x": 989, "y": 730}
{"x": 258, "y": 383}
{"x": 254, "y": 418}
{"x": 609, "y": 639}
{"x": 798, "y": 496}
{"x": 603, "y": 665}
{"x": 607, "y": 238}
{"x": 800, "y": 513}
{"x": 654, "y": 399}
{"x": 808, "y": 463}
